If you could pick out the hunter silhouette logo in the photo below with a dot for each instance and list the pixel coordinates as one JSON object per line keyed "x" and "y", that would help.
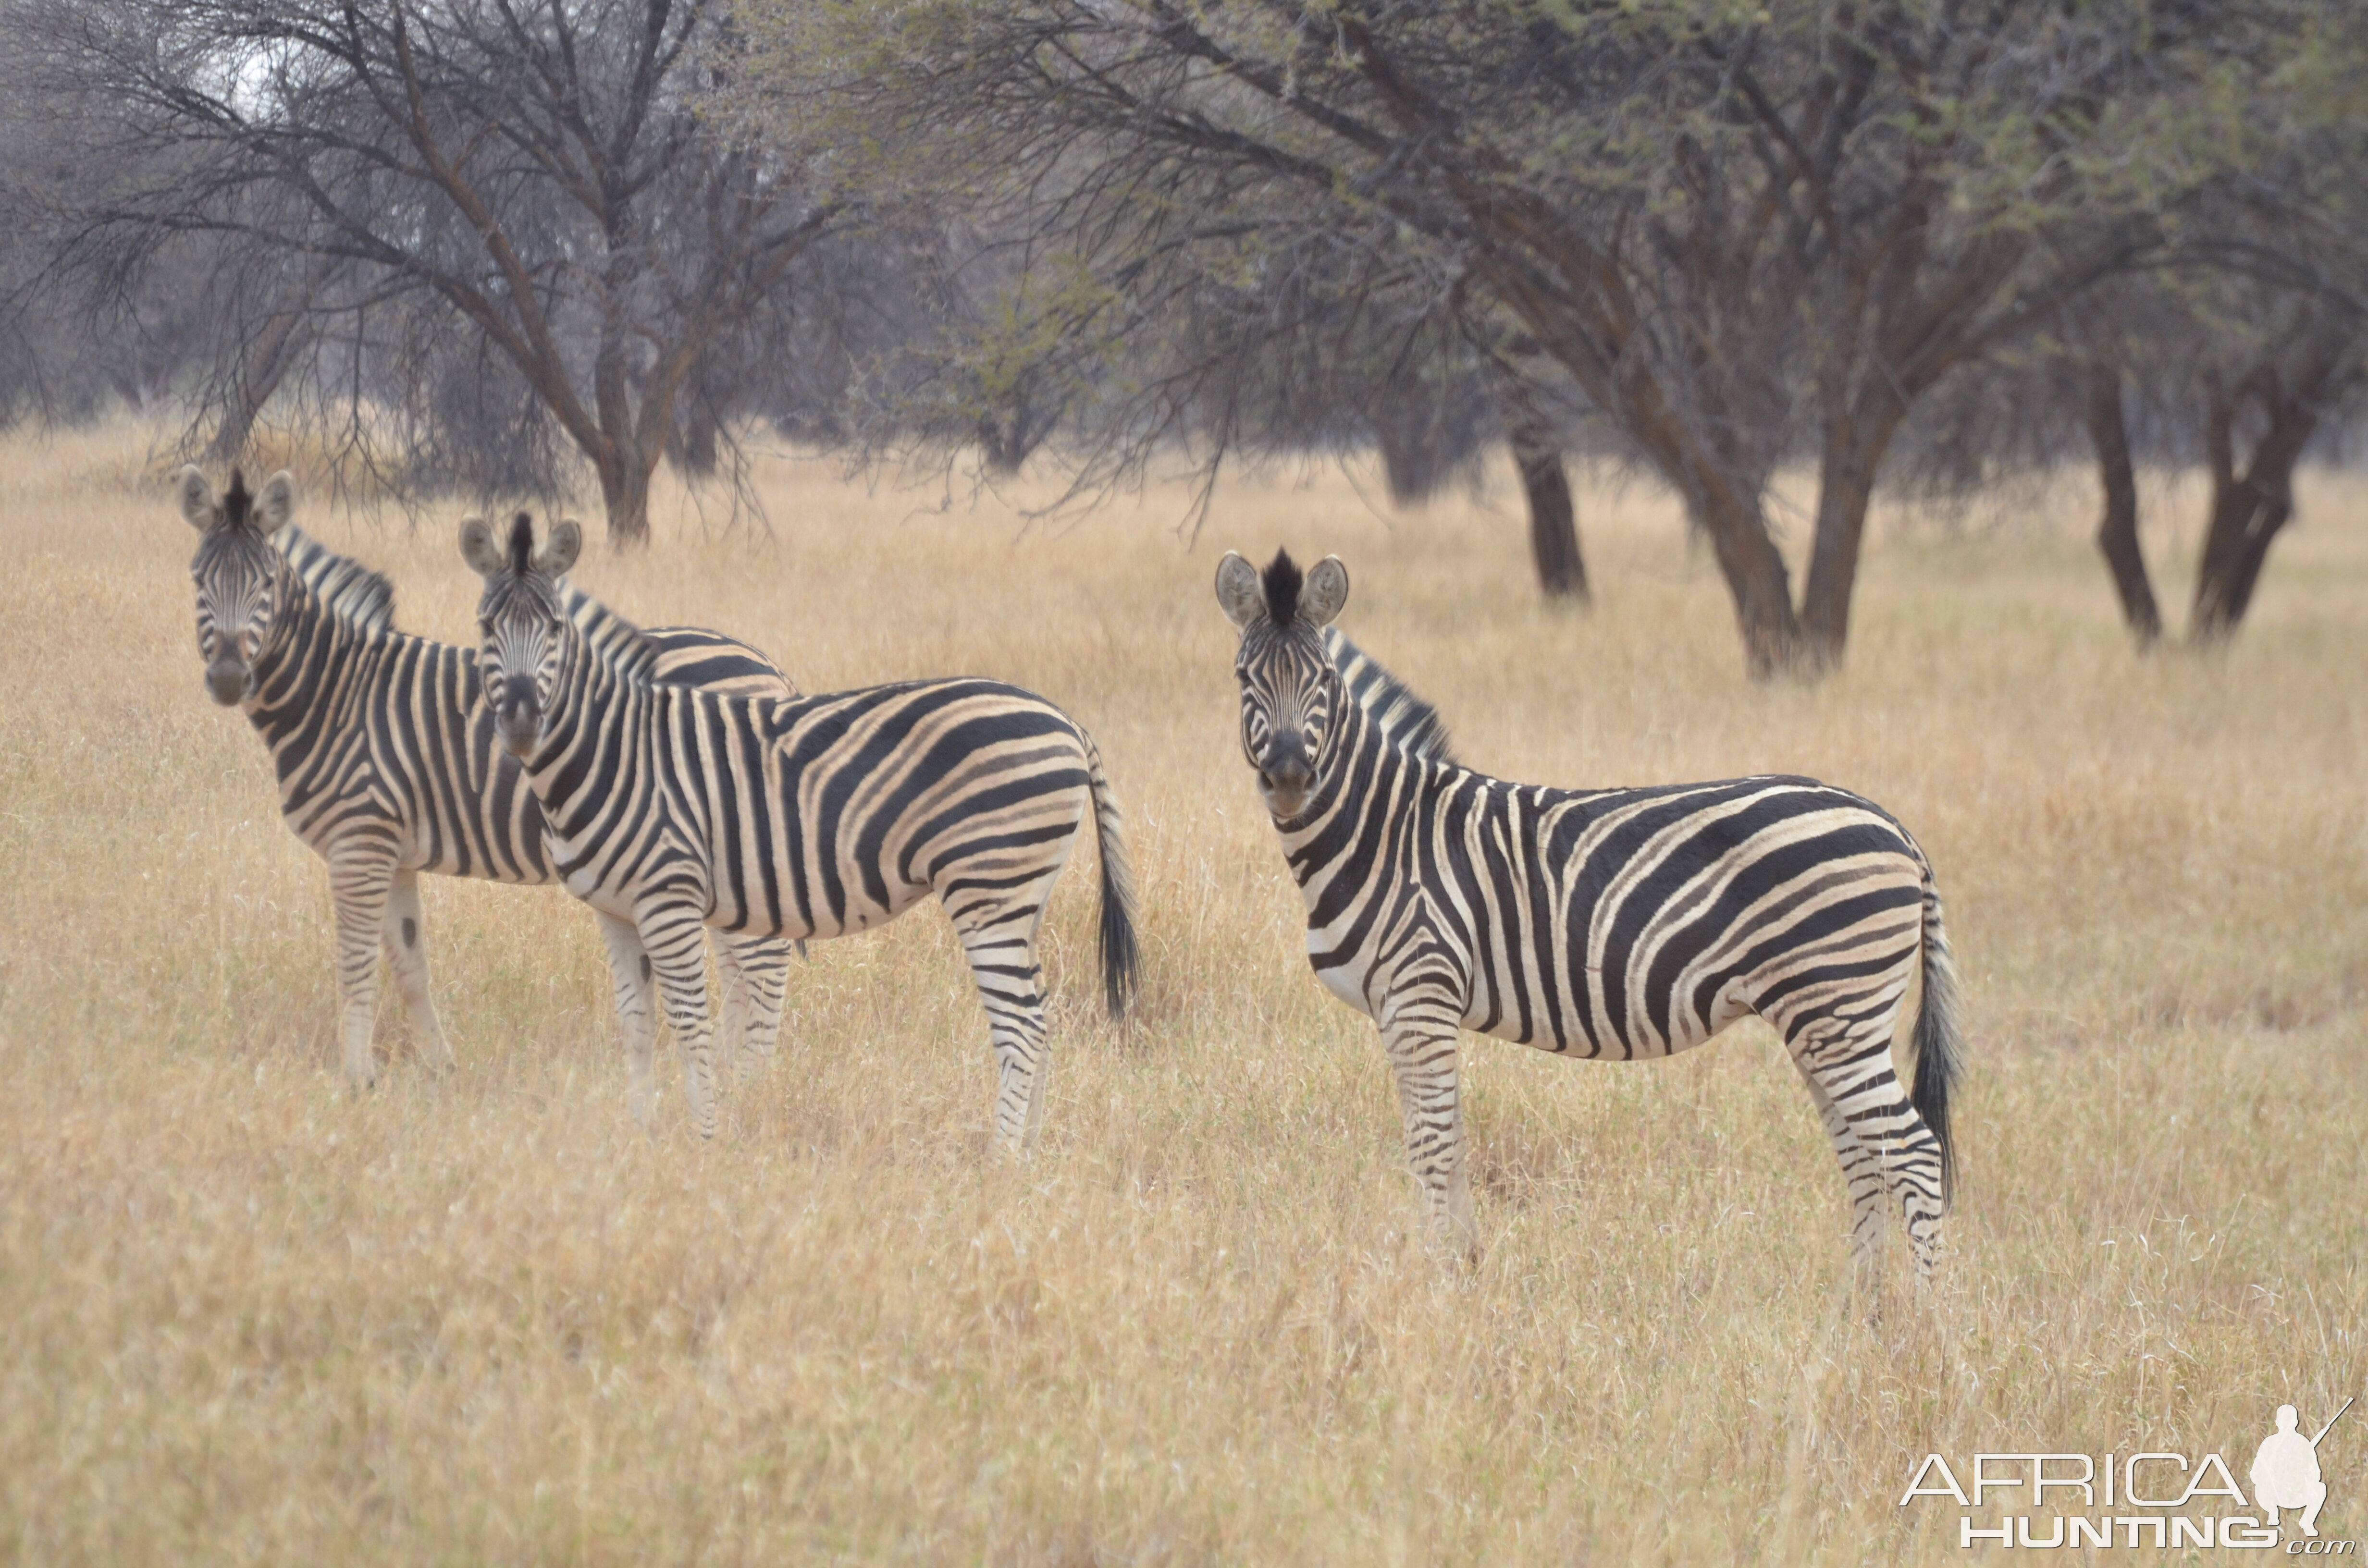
{"x": 2285, "y": 1471}
{"x": 2139, "y": 1498}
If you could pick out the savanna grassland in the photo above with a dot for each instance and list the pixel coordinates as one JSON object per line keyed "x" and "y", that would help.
{"x": 246, "y": 1315}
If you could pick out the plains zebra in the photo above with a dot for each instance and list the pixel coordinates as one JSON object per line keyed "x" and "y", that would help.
{"x": 1606, "y": 923}
{"x": 387, "y": 760}
{"x": 817, "y": 817}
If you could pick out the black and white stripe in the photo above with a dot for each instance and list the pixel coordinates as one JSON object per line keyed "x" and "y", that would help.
{"x": 387, "y": 762}
{"x": 1405, "y": 719}
{"x": 1612, "y": 924}
{"x": 820, "y": 817}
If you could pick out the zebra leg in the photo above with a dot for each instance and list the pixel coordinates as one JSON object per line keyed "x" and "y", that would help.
{"x": 1422, "y": 1058}
{"x": 731, "y": 1015}
{"x": 405, "y": 937}
{"x": 1002, "y": 956}
{"x": 630, "y": 972}
{"x": 361, "y": 876}
{"x": 760, "y": 972}
{"x": 1850, "y": 1060}
{"x": 1861, "y": 1170}
{"x": 675, "y": 936}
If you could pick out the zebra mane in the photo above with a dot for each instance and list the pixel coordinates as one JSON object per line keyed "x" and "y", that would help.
{"x": 616, "y": 642}
{"x": 347, "y": 588}
{"x": 1281, "y": 581}
{"x": 1406, "y": 720}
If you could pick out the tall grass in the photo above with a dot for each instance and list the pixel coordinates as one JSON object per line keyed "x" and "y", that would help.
{"x": 246, "y": 1317}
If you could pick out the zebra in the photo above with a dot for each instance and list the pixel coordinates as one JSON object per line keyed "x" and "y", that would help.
{"x": 817, "y": 817}
{"x": 1609, "y": 924}
{"x": 386, "y": 763}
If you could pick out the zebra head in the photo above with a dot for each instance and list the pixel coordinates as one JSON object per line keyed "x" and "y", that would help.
{"x": 238, "y": 573}
{"x": 521, "y": 623}
{"x": 1291, "y": 689}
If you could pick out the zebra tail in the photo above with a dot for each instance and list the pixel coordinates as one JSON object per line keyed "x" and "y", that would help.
{"x": 1940, "y": 1042}
{"x": 1120, "y": 957}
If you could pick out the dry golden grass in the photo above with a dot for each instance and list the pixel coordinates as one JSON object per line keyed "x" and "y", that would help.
{"x": 247, "y": 1317}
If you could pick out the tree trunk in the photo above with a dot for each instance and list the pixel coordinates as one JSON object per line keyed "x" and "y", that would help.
{"x": 2117, "y": 532}
{"x": 1725, "y": 504}
{"x": 263, "y": 363}
{"x": 2248, "y": 510}
{"x": 1755, "y": 579}
{"x": 625, "y": 496}
{"x": 1553, "y": 524}
{"x": 1855, "y": 442}
{"x": 698, "y": 443}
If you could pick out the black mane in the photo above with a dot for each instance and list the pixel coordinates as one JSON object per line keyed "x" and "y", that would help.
{"x": 1406, "y": 720}
{"x": 1281, "y": 581}
{"x": 237, "y": 504}
{"x": 521, "y": 544}
{"x": 345, "y": 588}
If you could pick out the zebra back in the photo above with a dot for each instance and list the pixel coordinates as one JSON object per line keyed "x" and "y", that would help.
{"x": 1405, "y": 719}
{"x": 669, "y": 655}
{"x": 674, "y": 655}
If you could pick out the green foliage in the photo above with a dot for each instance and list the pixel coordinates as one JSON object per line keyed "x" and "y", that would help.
{"x": 1744, "y": 232}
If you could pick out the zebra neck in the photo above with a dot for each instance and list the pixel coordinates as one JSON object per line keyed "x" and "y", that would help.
{"x": 301, "y": 659}
{"x": 1353, "y": 751}
{"x": 582, "y": 701}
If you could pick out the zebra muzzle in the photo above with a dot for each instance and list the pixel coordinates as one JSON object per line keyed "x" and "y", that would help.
{"x": 1284, "y": 782}
{"x": 230, "y": 681}
{"x": 518, "y": 718}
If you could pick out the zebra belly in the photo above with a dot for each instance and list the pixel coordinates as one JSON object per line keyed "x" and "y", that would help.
{"x": 862, "y": 913}
{"x": 587, "y": 886}
{"x": 1346, "y": 981}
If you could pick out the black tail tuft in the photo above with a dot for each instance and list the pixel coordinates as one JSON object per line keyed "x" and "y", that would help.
{"x": 1122, "y": 959}
{"x": 1938, "y": 1041}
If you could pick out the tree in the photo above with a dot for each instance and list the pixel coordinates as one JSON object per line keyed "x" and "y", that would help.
{"x": 535, "y": 173}
{"x": 1746, "y": 234}
{"x": 1431, "y": 426}
{"x": 2254, "y": 391}
{"x": 2245, "y": 339}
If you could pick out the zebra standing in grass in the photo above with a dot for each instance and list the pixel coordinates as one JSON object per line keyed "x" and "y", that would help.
{"x": 819, "y": 817}
{"x": 386, "y": 760}
{"x": 1608, "y": 923}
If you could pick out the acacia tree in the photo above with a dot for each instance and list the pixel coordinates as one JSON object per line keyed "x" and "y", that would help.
{"x": 534, "y": 172}
{"x": 1746, "y": 234}
{"x": 2251, "y": 388}
{"x": 1432, "y": 423}
{"x": 2245, "y": 342}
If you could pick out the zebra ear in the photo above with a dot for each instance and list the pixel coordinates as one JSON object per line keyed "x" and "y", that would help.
{"x": 1325, "y": 592}
{"x": 196, "y": 496}
{"x": 477, "y": 548}
{"x": 277, "y": 504}
{"x": 559, "y": 552}
{"x": 1239, "y": 592}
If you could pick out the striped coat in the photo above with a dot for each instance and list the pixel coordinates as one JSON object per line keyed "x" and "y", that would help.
{"x": 1607, "y": 924}
{"x": 820, "y": 817}
{"x": 386, "y": 761}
